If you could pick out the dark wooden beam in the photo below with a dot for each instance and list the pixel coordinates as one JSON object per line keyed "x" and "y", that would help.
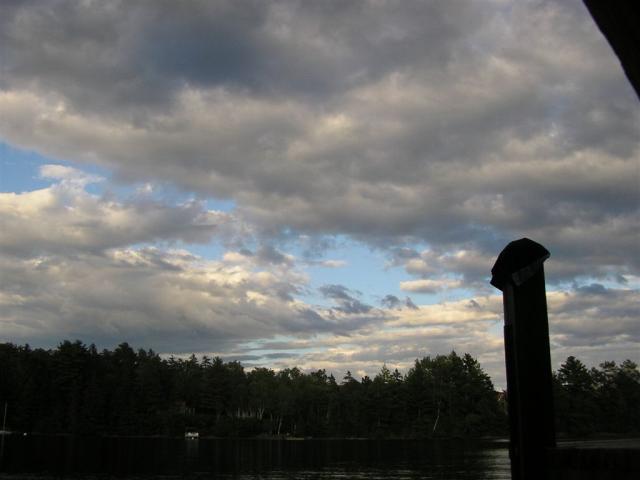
{"x": 619, "y": 21}
{"x": 519, "y": 273}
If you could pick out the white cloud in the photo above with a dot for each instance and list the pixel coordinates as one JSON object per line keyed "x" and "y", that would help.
{"x": 429, "y": 285}
{"x": 65, "y": 218}
{"x": 68, "y": 175}
{"x": 334, "y": 263}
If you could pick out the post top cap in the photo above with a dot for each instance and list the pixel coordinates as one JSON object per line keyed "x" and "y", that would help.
{"x": 518, "y": 262}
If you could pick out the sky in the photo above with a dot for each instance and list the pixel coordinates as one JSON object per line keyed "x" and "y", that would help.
{"x": 313, "y": 184}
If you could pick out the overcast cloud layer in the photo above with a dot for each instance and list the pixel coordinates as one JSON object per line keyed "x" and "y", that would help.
{"x": 435, "y": 132}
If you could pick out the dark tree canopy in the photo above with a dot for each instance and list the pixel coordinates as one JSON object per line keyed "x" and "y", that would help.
{"x": 78, "y": 390}
{"x": 601, "y": 399}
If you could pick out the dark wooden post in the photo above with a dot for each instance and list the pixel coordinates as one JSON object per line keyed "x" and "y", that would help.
{"x": 3, "y": 432}
{"x": 519, "y": 273}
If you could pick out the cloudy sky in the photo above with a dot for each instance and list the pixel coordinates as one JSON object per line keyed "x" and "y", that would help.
{"x": 321, "y": 184}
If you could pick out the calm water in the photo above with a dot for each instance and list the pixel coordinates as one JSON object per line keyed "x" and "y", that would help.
{"x": 165, "y": 458}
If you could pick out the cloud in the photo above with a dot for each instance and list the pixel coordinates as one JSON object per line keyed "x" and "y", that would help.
{"x": 176, "y": 302}
{"x": 64, "y": 218}
{"x": 392, "y": 302}
{"x": 429, "y": 286}
{"x": 398, "y": 341}
{"x": 68, "y": 175}
{"x": 115, "y": 54}
{"x": 170, "y": 300}
{"x": 474, "y": 325}
{"x": 432, "y": 132}
{"x": 409, "y": 304}
{"x": 345, "y": 300}
{"x": 73, "y": 267}
{"x": 473, "y": 265}
{"x": 269, "y": 254}
{"x": 435, "y": 123}
{"x": 479, "y": 309}
{"x": 594, "y": 315}
{"x": 333, "y": 263}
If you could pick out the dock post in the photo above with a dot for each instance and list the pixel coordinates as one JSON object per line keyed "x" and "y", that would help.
{"x": 519, "y": 274}
{"x": 2, "y": 434}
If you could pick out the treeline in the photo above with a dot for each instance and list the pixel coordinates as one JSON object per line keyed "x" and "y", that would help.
{"x": 76, "y": 389}
{"x": 603, "y": 400}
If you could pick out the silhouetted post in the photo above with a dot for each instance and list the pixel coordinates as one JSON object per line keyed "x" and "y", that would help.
{"x": 519, "y": 273}
{"x": 4, "y": 426}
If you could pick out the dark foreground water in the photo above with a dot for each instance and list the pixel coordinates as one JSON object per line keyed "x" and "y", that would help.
{"x": 49, "y": 456}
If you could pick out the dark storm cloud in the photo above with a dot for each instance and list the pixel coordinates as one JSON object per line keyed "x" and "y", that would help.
{"x": 118, "y": 53}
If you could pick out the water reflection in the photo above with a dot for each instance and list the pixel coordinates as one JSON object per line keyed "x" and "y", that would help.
{"x": 255, "y": 459}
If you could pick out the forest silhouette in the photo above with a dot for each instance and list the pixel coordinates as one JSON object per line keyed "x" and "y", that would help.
{"x": 75, "y": 389}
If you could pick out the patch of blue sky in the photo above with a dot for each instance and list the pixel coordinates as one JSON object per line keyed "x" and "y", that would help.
{"x": 20, "y": 170}
{"x": 277, "y": 343}
{"x": 207, "y": 251}
{"x": 631, "y": 282}
{"x": 454, "y": 295}
{"x": 365, "y": 270}
{"x": 283, "y": 346}
{"x": 610, "y": 283}
{"x": 497, "y": 329}
{"x": 613, "y": 281}
{"x": 220, "y": 205}
{"x": 267, "y": 355}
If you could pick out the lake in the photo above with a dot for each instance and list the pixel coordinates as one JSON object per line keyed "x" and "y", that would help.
{"x": 59, "y": 456}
